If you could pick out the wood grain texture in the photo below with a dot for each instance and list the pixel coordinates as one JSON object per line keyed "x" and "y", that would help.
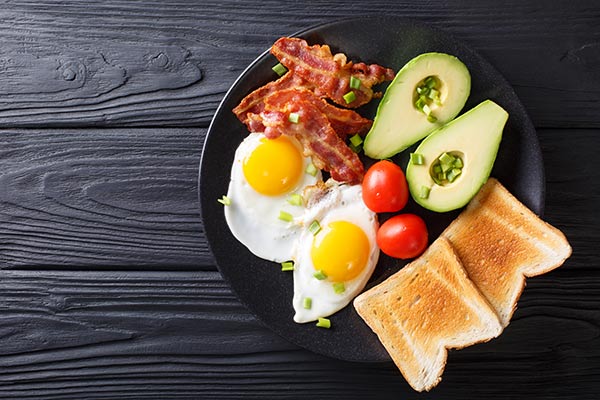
{"x": 108, "y": 341}
{"x": 156, "y": 63}
{"x": 110, "y": 198}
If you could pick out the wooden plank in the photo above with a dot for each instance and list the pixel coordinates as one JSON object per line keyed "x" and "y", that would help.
{"x": 183, "y": 335}
{"x": 127, "y": 198}
{"x": 152, "y": 63}
{"x": 103, "y": 198}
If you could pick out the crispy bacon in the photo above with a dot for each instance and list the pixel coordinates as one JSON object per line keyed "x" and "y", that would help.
{"x": 344, "y": 122}
{"x": 254, "y": 102}
{"x": 319, "y": 140}
{"x": 329, "y": 74}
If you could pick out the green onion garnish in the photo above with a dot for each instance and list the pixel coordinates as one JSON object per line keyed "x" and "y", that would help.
{"x": 324, "y": 323}
{"x": 458, "y": 162}
{"x": 294, "y": 118}
{"x": 424, "y": 194}
{"x": 452, "y": 175}
{"x": 417, "y": 159}
{"x": 226, "y": 201}
{"x": 423, "y": 90}
{"x": 446, "y": 159}
{"x": 285, "y": 216}
{"x": 430, "y": 82}
{"x": 320, "y": 275}
{"x": 431, "y": 118}
{"x": 356, "y": 140}
{"x": 311, "y": 169}
{"x": 339, "y": 287}
{"x": 314, "y": 227}
{"x": 356, "y": 149}
{"x": 433, "y": 94}
{"x": 354, "y": 83}
{"x": 437, "y": 169}
{"x": 307, "y": 303}
{"x": 295, "y": 199}
{"x": 420, "y": 103}
{"x": 426, "y": 109}
{"x": 349, "y": 97}
{"x": 279, "y": 69}
{"x": 287, "y": 266}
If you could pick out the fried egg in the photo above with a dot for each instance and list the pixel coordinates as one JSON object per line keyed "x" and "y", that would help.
{"x": 265, "y": 176}
{"x": 333, "y": 265}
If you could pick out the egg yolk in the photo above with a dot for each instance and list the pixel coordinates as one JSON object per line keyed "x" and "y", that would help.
{"x": 274, "y": 167}
{"x": 340, "y": 250}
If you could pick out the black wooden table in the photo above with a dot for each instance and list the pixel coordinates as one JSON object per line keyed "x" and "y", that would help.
{"x": 107, "y": 287}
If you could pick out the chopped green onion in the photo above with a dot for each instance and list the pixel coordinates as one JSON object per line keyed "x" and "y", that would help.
{"x": 437, "y": 169}
{"x": 226, "y": 201}
{"x": 279, "y": 69}
{"x": 314, "y": 227}
{"x": 423, "y": 90}
{"x": 433, "y": 94}
{"x": 339, "y": 287}
{"x": 354, "y": 148}
{"x": 424, "y": 193}
{"x": 420, "y": 103}
{"x": 295, "y": 199}
{"x": 417, "y": 159}
{"x": 311, "y": 169}
{"x": 307, "y": 303}
{"x": 431, "y": 118}
{"x": 349, "y": 97}
{"x": 452, "y": 175}
{"x": 294, "y": 118}
{"x": 442, "y": 176}
{"x": 354, "y": 83}
{"x": 426, "y": 110}
{"x": 286, "y": 216}
{"x": 446, "y": 167}
{"x": 430, "y": 82}
{"x": 320, "y": 275}
{"x": 287, "y": 266}
{"x": 458, "y": 162}
{"x": 446, "y": 159}
{"x": 356, "y": 140}
{"x": 324, "y": 323}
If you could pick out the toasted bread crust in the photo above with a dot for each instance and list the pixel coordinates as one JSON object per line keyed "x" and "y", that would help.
{"x": 500, "y": 242}
{"x": 425, "y": 308}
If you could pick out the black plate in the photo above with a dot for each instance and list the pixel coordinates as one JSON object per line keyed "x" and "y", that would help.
{"x": 391, "y": 42}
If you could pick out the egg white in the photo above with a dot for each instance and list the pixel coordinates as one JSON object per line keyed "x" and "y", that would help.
{"x": 253, "y": 218}
{"x": 341, "y": 203}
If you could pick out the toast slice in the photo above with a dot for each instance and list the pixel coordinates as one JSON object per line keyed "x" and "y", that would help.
{"x": 500, "y": 242}
{"x": 427, "y": 307}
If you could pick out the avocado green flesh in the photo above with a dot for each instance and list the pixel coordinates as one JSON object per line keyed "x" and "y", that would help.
{"x": 398, "y": 123}
{"x": 475, "y": 137}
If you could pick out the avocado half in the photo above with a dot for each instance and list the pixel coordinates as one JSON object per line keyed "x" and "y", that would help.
{"x": 399, "y": 123}
{"x": 449, "y": 167}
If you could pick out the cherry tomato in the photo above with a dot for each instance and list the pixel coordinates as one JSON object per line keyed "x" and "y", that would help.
{"x": 384, "y": 187}
{"x": 403, "y": 236}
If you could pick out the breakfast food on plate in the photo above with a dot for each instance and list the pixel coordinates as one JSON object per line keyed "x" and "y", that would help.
{"x": 449, "y": 166}
{"x": 294, "y": 104}
{"x": 461, "y": 290}
{"x": 277, "y": 204}
{"x": 336, "y": 252}
{"x": 346, "y": 83}
{"x": 424, "y": 309}
{"x": 501, "y": 242}
{"x": 266, "y": 175}
{"x": 429, "y": 91}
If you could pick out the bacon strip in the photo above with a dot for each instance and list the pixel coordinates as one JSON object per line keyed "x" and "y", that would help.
{"x": 253, "y": 103}
{"x": 344, "y": 122}
{"x": 317, "y": 137}
{"x": 329, "y": 74}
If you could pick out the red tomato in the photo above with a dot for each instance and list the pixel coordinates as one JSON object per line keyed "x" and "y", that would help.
{"x": 403, "y": 236}
{"x": 384, "y": 187}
